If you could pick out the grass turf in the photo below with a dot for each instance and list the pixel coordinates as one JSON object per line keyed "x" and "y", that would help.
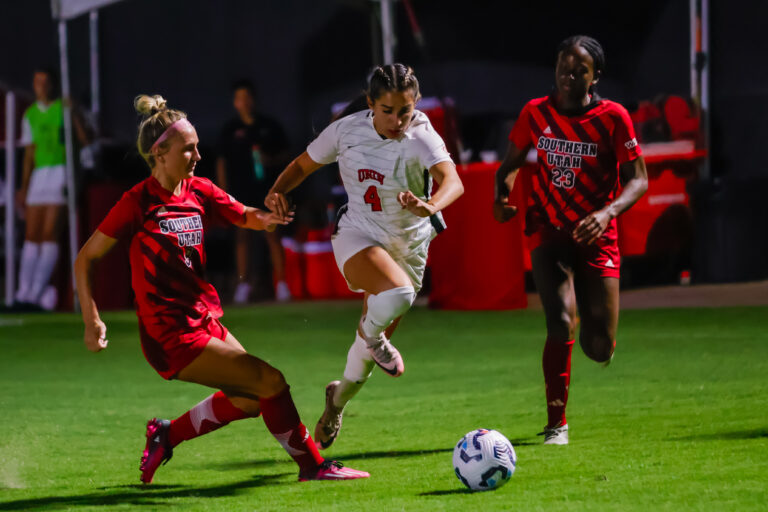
{"x": 677, "y": 422}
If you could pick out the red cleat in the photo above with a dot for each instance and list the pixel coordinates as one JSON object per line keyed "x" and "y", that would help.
{"x": 332, "y": 470}
{"x": 158, "y": 449}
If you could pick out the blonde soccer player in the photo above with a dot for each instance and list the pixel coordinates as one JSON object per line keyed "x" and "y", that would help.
{"x": 164, "y": 220}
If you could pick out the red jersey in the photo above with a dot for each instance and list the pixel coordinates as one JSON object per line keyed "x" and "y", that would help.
{"x": 578, "y": 157}
{"x": 166, "y": 234}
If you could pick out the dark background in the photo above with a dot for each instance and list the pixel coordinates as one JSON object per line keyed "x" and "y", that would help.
{"x": 490, "y": 56}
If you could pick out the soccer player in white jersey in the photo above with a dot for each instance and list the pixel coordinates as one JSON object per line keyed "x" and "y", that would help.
{"x": 388, "y": 155}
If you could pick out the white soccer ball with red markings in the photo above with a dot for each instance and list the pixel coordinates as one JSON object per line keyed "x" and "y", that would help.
{"x": 484, "y": 459}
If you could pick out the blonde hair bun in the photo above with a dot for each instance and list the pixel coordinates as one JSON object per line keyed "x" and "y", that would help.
{"x": 149, "y": 105}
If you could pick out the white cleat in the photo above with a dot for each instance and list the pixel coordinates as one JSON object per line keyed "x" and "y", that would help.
{"x": 329, "y": 424}
{"x": 383, "y": 353}
{"x": 555, "y": 435}
{"x": 387, "y": 357}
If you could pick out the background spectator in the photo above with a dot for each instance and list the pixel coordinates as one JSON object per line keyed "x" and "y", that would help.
{"x": 253, "y": 149}
{"x": 43, "y": 191}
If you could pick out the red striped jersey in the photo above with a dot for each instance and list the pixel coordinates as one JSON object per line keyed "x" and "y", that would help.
{"x": 578, "y": 157}
{"x": 166, "y": 234}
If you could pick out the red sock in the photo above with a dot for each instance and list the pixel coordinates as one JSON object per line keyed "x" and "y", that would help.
{"x": 557, "y": 376}
{"x": 282, "y": 420}
{"x": 212, "y": 413}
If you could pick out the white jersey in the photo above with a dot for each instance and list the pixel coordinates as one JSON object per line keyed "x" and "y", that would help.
{"x": 375, "y": 170}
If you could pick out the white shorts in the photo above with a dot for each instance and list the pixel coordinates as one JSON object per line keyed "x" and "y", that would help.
{"x": 47, "y": 185}
{"x": 411, "y": 256}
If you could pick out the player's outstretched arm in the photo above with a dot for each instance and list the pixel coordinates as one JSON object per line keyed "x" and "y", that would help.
{"x": 264, "y": 220}
{"x": 634, "y": 179}
{"x": 94, "y": 249}
{"x": 451, "y": 188}
{"x": 505, "y": 180}
{"x": 296, "y": 172}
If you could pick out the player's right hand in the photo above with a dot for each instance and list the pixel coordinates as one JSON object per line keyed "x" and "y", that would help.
{"x": 502, "y": 210}
{"x": 278, "y": 203}
{"x": 96, "y": 336}
{"x": 271, "y": 220}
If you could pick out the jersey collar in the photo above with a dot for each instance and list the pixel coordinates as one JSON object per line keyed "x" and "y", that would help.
{"x": 594, "y": 102}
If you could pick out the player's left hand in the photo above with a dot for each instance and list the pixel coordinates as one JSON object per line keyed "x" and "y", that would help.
{"x": 278, "y": 203}
{"x": 415, "y": 205}
{"x": 591, "y": 227}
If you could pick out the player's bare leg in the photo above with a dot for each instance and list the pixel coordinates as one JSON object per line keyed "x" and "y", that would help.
{"x": 554, "y": 281}
{"x": 384, "y": 282}
{"x": 256, "y": 386}
{"x": 339, "y": 392}
{"x": 598, "y": 301}
{"x": 390, "y": 294}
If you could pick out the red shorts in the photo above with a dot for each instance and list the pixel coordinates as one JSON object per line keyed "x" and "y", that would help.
{"x": 601, "y": 257}
{"x": 169, "y": 348}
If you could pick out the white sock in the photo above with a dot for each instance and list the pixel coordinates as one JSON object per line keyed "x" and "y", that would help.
{"x": 358, "y": 369}
{"x": 384, "y": 307}
{"x": 49, "y": 255}
{"x": 30, "y": 252}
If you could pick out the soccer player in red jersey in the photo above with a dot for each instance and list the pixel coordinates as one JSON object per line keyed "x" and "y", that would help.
{"x": 164, "y": 219}
{"x": 589, "y": 170}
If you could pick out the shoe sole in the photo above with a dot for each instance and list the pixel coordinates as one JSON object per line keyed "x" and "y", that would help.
{"x": 324, "y": 445}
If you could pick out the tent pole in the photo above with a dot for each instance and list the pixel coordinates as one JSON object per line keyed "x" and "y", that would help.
{"x": 95, "y": 78}
{"x": 387, "y": 32}
{"x": 10, "y": 189}
{"x": 699, "y": 54}
{"x": 66, "y": 95}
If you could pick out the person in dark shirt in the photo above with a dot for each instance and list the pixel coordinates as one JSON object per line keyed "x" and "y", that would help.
{"x": 253, "y": 149}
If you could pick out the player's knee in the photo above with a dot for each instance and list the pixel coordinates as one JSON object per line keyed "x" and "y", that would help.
{"x": 271, "y": 381}
{"x": 393, "y": 302}
{"x": 249, "y": 406}
{"x": 597, "y": 346}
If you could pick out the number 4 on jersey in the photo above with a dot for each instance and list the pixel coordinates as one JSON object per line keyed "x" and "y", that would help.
{"x": 371, "y": 197}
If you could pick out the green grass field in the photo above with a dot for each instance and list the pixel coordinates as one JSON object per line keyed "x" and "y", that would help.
{"x": 677, "y": 422}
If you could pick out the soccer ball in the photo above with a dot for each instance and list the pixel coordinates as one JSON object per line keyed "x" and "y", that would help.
{"x": 484, "y": 459}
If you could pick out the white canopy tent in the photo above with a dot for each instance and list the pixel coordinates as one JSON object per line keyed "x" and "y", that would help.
{"x": 64, "y": 10}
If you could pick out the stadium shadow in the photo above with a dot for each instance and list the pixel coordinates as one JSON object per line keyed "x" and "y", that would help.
{"x": 143, "y": 495}
{"x": 736, "y": 435}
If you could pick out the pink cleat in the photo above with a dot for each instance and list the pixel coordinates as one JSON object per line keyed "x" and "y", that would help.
{"x": 332, "y": 470}
{"x": 158, "y": 449}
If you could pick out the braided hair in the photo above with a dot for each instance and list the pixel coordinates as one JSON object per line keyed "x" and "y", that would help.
{"x": 392, "y": 77}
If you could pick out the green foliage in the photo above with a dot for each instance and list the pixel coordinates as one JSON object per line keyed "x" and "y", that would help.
{"x": 677, "y": 422}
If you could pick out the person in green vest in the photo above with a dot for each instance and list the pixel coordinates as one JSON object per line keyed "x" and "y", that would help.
{"x": 43, "y": 191}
